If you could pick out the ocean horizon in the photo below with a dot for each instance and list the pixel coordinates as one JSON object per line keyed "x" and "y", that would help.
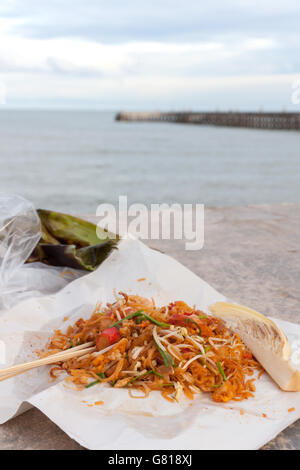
{"x": 74, "y": 160}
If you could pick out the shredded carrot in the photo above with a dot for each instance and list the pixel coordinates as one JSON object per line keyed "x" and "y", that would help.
{"x": 141, "y": 279}
{"x": 100, "y": 402}
{"x": 260, "y": 374}
{"x": 291, "y": 409}
{"x": 174, "y": 349}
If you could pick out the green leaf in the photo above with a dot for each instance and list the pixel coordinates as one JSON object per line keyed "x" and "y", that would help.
{"x": 70, "y": 230}
{"x": 72, "y": 242}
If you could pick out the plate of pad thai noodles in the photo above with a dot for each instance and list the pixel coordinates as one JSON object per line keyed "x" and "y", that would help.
{"x": 176, "y": 350}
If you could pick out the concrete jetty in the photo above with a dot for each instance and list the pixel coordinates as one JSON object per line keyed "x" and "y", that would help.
{"x": 259, "y": 120}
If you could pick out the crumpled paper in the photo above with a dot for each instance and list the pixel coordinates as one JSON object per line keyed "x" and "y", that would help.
{"x": 122, "y": 422}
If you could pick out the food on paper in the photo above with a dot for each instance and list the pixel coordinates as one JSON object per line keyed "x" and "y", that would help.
{"x": 266, "y": 341}
{"x": 175, "y": 349}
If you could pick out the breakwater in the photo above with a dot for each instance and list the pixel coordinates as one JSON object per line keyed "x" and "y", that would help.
{"x": 260, "y": 120}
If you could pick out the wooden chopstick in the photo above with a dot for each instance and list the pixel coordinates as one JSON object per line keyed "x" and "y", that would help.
{"x": 58, "y": 357}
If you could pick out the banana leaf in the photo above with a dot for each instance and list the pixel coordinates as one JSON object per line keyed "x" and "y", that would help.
{"x": 72, "y": 242}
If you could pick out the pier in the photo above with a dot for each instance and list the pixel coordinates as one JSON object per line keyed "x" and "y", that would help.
{"x": 259, "y": 120}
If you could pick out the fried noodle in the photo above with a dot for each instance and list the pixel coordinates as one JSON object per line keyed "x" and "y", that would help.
{"x": 173, "y": 349}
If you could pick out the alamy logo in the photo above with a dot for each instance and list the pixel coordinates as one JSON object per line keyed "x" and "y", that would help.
{"x": 295, "y": 98}
{"x": 295, "y": 358}
{"x": 160, "y": 221}
{"x": 2, "y": 353}
{"x": 4, "y": 238}
{"x": 2, "y": 93}
{"x": 3, "y": 249}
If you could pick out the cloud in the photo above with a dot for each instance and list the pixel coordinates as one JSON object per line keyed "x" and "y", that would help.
{"x": 147, "y": 53}
{"x": 81, "y": 57}
{"x": 159, "y": 20}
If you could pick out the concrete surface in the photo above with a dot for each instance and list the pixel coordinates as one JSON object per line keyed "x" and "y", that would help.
{"x": 251, "y": 255}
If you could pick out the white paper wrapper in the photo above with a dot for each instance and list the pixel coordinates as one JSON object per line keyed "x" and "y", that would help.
{"x": 122, "y": 422}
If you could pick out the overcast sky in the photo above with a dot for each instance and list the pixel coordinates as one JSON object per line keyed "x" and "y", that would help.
{"x": 138, "y": 54}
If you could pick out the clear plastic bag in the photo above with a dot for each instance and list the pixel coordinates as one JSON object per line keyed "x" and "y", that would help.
{"x": 20, "y": 231}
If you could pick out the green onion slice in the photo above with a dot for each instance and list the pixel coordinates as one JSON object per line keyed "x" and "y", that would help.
{"x": 149, "y": 372}
{"x": 101, "y": 375}
{"x": 221, "y": 371}
{"x": 140, "y": 313}
{"x": 190, "y": 320}
{"x": 167, "y": 358}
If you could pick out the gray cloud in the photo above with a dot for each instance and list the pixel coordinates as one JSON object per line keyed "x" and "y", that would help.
{"x": 230, "y": 23}
{"x": 188, "y": 21}
{"x": 118, "y": 21}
